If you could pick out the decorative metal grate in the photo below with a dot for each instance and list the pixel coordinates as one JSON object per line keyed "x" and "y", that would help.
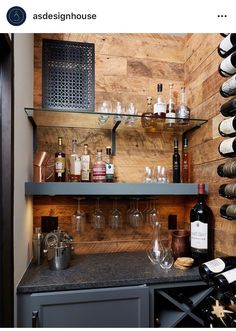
{"x": 68, "y": 75}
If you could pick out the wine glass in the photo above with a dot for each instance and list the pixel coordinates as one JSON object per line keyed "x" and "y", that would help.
{"x": 104, "y": 107}
{"x": 115, "y": 217}
{"x": 118, "y": 109}
{"x": 79, "y": 220}
{"x": 98, "y": 217}
{"x": 136, "y": 217}
{"x": 148, "y": 175}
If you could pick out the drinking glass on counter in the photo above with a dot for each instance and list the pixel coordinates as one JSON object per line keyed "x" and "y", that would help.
{"x": 160, "y": 175}
{"x": 148, "y": 175}
{"x": 104, "y": 107}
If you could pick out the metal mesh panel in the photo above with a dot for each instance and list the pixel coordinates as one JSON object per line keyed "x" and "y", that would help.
{"x": 68, "y": 75}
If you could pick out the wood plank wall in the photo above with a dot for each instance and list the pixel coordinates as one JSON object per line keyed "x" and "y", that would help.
{"x": 202, "y": 82}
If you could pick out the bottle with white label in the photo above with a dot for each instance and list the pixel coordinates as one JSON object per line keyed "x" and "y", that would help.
{"x": 227, "y": 45}
{"x": 227, "y": 127}
{"x": 228, "y": 66}
{"x": 208, "y": 270}
{"x": 228, "y": 212}
{"x": 75, "y": 163}
{"x": 109, "y": 166}
{"x": 160, "y": 106}
{"x": 227, "y": 147}
{"x": 201, "y": 229}
{"x": 99, "y": 168}
{"x": 85, "y": 165}
{"x": 229, "y": 108}
{"x": 226, "y": 279}
{"x": 170, "y": 107}
{"x": 228, "y": 88}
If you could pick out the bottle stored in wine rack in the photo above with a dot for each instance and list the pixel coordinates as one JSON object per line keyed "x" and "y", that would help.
{"x": 228, "y": 66}
{"x": 226, "y": 279}
{"x": 228, "y": 88}
{"x": 227, "y": 45}
{"x": 227, "y": 147}
{"x": 227, "y": 127}
{"x": 228, "y": 212}
{"x": 229, "y": 108}
{"x": 227, "y": 169}
{"x": 228, "y": 190}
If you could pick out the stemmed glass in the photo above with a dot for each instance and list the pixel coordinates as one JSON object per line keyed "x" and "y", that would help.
{"x": 79, "y": 220}
{"x": 104, "y": 107}
{"x": 153, "y": 213}
{"x": 98, "y": 217}
{"x": 118, "y": 109}
{"x": 115, "y": 217}
{"x": 136, "y": 217}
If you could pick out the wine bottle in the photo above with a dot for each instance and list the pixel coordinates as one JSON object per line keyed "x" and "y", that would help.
{"x": 160, "y": 106}
{"x": 176, "y": 163}
{"x": 228, "y": 212}
{"x": 228, "y": 190}
{"x": 227, "y": 169}
{"x": 229, "y": 108}
{"x": 228, "y": 88}
{"x": 208, "y": 270}
{"x": 228, "y": 66}
{"x": 227, "y": 45}
{"x": 185, "y": 162}
{"x": 85, "y": 165}
{"x": 60, "y": 163}
{"x": 201, "y": 229}
{"x": 227, "y": 127}
{"x": 226, "y": 279}
{"x": 75, "y": 163}
{"x": 227, "y": 147}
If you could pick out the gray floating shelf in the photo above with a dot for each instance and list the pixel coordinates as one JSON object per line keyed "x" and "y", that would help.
{"x": 110, "y": 189}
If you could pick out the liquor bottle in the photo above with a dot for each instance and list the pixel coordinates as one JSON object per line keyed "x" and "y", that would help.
{"x": 227, "y": 147}
{"x": 182, "y": 111}
{"x": 227, "y": 169}
{"x": 160, "y": 106}
{"x": 227, "y": 45}
{"x": 99, "y": 168}
{"x": 109, "y": 166}
{"x": 228, "y": 88}
{"x": 170, "y": 107}
{"x": 227, "y": 127}
{"x": 229, "y": 108}
{"x": 147, "y": 120}
{"x": 176, "y": 163}
{"x": 185, "y": 162}
{"x": 228, "y": 66}
{"x": 201, "y": 230}
{"x": 228, "y": 190}
{"x": 60, "y": 163}
{"x": 75, "y": 163}
{"x": 226, "y": 279}
{"x": 228, "y": 212}
{"x": 85, "y": 165}
{"x": 208, "y": 270}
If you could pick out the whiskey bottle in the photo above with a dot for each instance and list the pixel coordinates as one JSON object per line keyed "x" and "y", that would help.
{"x": 170, "y": 107}
{"x": 228, "y": 212}
{"x": 160, "y": 106}
{"x": 85, "y": 165}
{"x": 109, "y": 166}
{"x": 227, "y": 45}
{"x": 147, "y": 120}
{"x": 227, "y": 169}
{"x": 99, "y": 168}
{"x": 75, "y": 163}
{"x": 229, "y": 108}
{"x": 228, "y": 190}
{"x": 60, "y": 163}
{"x": 228, "y": 88}
{"x": 182, "y": 111}
{"x": 176, "y": 163}
{"x": 185, "y": 162}
{"x": 227, "y": 127}
{"x": 228, "y": 66}
{"x": 227, "y": 147}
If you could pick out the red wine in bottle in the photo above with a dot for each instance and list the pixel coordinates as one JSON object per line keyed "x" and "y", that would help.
{"x": 227, "y": 147}
{"x": 208, "y": 270}
{"x": 227, "y": 45}
{"x": 228, "y": 88}
{"x": 60, "y": 169}
{"x": 228, "y": 66}
{"x": 229, "y": 108}
{"x": 176, "y": 163}
{"x": 227, "y": 127}
{"x": 228, "y": 212}
{"x": 228, "y": 190}
{"x": 226, "y": 279}
{"x": 201, "y": 228}
{"x": 227, "y": 169}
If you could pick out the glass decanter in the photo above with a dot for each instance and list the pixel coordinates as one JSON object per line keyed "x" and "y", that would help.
{"x": 155, "y": 252}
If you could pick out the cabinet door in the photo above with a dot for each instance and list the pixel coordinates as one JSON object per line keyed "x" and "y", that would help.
{"x": 109, "y": 307}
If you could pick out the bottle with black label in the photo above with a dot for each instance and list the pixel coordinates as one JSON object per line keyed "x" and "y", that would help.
{"x": 226, "y": 279}
{"x": 228, "y": 66}
{"x": 227, "y": 128}
{"x": 228, "y": 190}
{"x": 229, "y": 108}
{"x": 227, "y": 169}
{"x": 227, "y": 45}
{"x": 228, "y": 212}
{"x": 176, "y": 163}
{"x": 201, "y": 229}
{"x": 227, "y": 147}
{"x": 208, "y": 270}
{"x": 228, "y": 88}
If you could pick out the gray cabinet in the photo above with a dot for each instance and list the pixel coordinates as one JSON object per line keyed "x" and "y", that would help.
{"x": 107, "y": 307}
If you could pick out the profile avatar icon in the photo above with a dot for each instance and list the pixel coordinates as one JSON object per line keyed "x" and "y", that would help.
{"x": 16, "y": 16}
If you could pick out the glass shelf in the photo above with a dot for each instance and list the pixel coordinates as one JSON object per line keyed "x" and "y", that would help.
{"x": 85, "y": 119}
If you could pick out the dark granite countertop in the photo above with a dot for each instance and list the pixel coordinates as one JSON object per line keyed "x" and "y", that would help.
{"x": 101, "y": 270}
